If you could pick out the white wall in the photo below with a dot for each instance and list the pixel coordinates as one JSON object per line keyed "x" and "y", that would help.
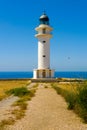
{"x": 43, "y": 49}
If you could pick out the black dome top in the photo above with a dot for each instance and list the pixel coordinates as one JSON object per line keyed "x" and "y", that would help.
{"x": 44, "y": 19}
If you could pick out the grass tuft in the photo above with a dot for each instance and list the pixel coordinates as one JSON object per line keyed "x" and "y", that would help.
{"x": 24, "y": 95}
{"x": 69, "y": 96}
{"x": 76, "y": 98}
{"x": 6, "y": 85}
{"x": 5, "y": 122}
{"x": 19, "y": 113}
{"x": 20, "y": 92}
{"x": 45, "y": 86}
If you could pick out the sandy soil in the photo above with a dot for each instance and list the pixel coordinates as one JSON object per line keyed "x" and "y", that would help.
{"x": 31, "y": 85}
{"x": 5, "y": 107}
{"x": 48, "y": 111}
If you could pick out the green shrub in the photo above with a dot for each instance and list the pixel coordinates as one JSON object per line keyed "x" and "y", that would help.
{"x": 82, "y": 97}
{"x": 58, "y": 90}
{"x": 24, "y": 95}
{"x": 71, "y": 100}
{"x": 75, "y": 100}
{"x": 20, "y": 92}
{"x": 69, "y": 97}
{"x": 82, "y": 102}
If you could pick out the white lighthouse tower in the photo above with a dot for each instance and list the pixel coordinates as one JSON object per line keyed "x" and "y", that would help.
{"x": 43, "y": 35}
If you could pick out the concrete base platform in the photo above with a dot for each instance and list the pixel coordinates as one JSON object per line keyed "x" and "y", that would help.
{"x": 44, "y": 80}
{"x": 43, "y": 73}
{"x": 49, "y": 80}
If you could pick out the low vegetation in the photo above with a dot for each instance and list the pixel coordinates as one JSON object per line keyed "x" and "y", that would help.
{"x": 6, "y": 85}
{"x": 24, "y": 94}
{"x": 4, "y": 122}
{"x": 45, "y": 86}
{"x": 76, "y": 97}
{"x": 20, "y": 92}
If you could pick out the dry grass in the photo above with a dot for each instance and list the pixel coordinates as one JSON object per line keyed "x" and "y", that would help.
{"x": 5, "y": 122}
{"x": 24, "y": 95}
{"x": 75, "y": 95}
{"x": 7, "y": 85}
{"x": 70, "y": 86}
{"x": 18, "y": 113}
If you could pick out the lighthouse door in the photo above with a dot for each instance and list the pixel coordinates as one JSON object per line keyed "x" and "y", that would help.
{"x": 44, "y": 74}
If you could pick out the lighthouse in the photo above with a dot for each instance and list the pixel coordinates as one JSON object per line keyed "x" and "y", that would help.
{"x": 43, "y": 35}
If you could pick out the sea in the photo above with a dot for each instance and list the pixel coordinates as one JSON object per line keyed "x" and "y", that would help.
{"x": 18, "y": 75}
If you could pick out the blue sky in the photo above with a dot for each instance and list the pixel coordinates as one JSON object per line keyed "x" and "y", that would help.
{"x": 18, "y": 46}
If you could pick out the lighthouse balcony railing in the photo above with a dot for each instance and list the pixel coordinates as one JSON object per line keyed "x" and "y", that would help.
{"x": 44, "y": 33}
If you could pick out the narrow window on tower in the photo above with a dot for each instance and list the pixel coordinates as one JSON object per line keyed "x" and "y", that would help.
{"x": 44, "y": 30}
{"x": 44, "y": 55}
{"x": 44, "y": 41}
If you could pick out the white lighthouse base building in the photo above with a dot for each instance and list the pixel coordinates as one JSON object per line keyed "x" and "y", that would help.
{"x": 43, "y": 73}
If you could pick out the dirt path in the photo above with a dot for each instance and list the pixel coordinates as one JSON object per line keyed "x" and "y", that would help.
{"x": 48, "y": 111}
